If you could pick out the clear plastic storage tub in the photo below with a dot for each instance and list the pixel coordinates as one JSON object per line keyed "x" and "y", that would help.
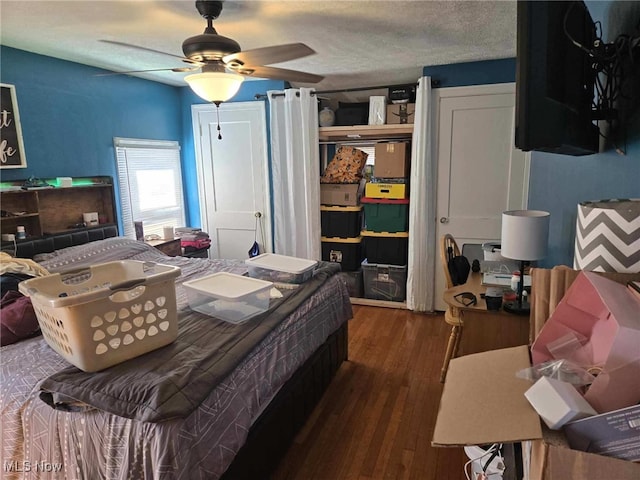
{"x": 229, "y": 297}
{"x": 280, "y": 268}
{"x": 99, "y": 316}
{"x": 384, "y": 282}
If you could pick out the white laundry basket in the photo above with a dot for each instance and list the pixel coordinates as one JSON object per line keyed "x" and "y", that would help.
{"x": 99, "y": 316}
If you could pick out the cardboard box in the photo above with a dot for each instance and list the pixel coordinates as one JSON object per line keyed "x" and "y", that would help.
{"x": 400, "y": 113}
{"x": 483, "y": 402}
{"x": 616, "y": 434}
{"x": 345, "y": 194}
{"x": 596, "y": 324}
{"x": 392, "y": 159}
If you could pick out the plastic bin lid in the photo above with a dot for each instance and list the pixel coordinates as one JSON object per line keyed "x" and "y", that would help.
{"x": 367, "y": 233}
{"x": 366, "y": 265}
{"x": 228, "y": 286}
{"x": 282, "y": 263}
{"x": 341, "y": 239}
{"x": 340, "y": 208}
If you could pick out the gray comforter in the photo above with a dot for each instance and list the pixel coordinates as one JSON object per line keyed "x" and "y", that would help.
{"x": 172, "y": 381}
{"x": 40, "y": 442}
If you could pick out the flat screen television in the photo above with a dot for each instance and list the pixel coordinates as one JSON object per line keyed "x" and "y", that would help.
{"x": 554, "y": 78}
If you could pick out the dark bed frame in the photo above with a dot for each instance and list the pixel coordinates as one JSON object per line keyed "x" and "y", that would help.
{"x": 49, "y": 243}
{"x": 273, "y": 432}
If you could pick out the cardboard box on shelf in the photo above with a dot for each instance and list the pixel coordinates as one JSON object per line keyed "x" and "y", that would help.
{"x": 345, "y": 194}
{"x": 392, "y": 159}
{"x": 483, "y": 402}
{"x": 400, "y": 113}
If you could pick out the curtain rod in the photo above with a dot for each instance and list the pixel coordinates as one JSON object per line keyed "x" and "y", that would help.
{"x": 434, "y": 83}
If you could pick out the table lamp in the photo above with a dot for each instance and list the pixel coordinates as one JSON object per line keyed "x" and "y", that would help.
{"x": 524, "y": 238}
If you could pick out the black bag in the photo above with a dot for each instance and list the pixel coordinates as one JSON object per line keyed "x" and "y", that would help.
{"x": 459, "y": 268}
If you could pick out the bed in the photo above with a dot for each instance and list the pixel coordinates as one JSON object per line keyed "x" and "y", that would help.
{"x": 236, "y": 421}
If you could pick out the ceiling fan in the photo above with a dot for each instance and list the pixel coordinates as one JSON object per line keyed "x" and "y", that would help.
{"x": 223, "y": 63}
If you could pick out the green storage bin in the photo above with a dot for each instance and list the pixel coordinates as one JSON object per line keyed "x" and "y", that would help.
{"x": 386, "y": 214}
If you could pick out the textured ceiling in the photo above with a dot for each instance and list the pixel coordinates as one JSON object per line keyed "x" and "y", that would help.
{"x": 357, "y": 43}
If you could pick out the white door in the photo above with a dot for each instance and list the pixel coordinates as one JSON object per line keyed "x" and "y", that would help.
{"x": 233, "y": 176}
{"x": 480, "y": 172}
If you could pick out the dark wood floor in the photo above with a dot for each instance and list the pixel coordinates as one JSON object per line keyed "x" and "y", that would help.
{"x": 377, "y": 417}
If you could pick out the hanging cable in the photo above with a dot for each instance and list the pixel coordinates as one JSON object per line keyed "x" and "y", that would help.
{"x": 218, "y": 117}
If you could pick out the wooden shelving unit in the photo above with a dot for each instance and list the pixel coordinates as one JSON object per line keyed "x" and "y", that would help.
{"x": 58, "y": 209}
{"x": 365, "y": 132}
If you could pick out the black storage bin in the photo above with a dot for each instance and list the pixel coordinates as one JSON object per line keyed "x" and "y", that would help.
{"x": 343, "y": 222}
{"x": 345, "y": 251}
{"x": 386, "y": 248}
{"x": 352, "y": 113}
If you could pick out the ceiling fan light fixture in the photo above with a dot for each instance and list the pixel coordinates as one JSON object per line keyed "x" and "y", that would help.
{"x": 215, "y": 86}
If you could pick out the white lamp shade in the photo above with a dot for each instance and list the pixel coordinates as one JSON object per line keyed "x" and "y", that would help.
{"x": 525, "y": 234}
{"x": 215, "y": 86}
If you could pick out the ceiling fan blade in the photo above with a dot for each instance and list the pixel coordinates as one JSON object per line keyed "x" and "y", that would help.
{"x": 123, "y": 44}
{"x": 178, "y": 69}
{"x": 280, "y": 74}
{"x": 268, "y": 55}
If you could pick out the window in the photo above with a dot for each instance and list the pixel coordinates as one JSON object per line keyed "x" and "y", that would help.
{"x": 150, "y": 182}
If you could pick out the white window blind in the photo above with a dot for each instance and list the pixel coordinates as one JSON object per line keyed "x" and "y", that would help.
{"x": 150, "y": 184}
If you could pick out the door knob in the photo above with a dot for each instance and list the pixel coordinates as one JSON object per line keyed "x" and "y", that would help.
{"x": 444, "y": 220}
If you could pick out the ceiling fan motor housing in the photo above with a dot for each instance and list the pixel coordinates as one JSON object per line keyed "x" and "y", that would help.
{"x": 209, "y": 46}
{"x": 209, "y": 9}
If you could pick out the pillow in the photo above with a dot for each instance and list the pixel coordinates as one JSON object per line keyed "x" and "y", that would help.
{"x": 18, "y": 320}
{"x": 346, "y": 166}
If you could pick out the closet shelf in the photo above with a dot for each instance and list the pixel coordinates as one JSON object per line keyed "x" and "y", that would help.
{"x": 363, "y": 132}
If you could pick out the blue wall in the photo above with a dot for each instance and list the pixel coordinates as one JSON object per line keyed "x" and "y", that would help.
{"x": 559, "y": 182}
{"x": 472, "y": 73}
{"x": 69, "y": 117}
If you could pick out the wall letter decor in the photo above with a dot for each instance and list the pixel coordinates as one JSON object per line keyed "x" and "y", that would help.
{"x": 11, "y": 147}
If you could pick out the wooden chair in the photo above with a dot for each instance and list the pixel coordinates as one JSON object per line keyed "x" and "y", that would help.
{"x": 449, "y": 249}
